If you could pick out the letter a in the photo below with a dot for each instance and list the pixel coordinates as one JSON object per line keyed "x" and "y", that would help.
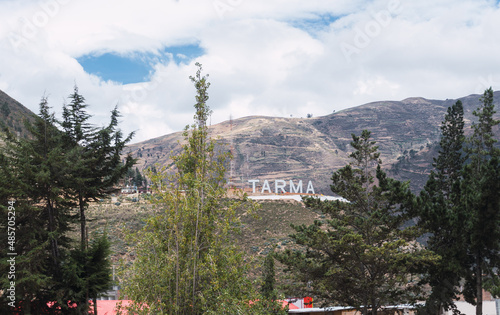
{"x": 266, "y": 187}
{"x": 310, "y": 188}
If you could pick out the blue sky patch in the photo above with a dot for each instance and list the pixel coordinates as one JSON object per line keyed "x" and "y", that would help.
{"x": 135, "y": 67}
{"x": 316, "y": 24}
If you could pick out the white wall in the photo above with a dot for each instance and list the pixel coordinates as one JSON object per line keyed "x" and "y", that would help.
{"x": 469, "y": 309}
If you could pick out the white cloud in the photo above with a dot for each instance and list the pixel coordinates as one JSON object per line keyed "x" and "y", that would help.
{"x": 259, "y": 61}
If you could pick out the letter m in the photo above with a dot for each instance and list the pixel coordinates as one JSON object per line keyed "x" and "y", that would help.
{"x": 298, "y": 189}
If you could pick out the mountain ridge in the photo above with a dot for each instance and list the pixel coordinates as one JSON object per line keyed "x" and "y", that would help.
{"x": 272, "y": 148}
{"x": 308, "y": 149}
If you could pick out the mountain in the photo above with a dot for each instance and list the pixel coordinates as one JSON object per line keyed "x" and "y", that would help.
{"x": 13, "y": 114}
{"x": 306, "y": 149}
{"x": 310, "y": 149}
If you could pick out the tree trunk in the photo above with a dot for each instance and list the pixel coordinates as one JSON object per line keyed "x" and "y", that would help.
{"x": 83, "y": 240}
{"x": 83, "y": 243}
{"x": 374, "y": 307}
{"x": 479, "y": 285}
{"x": 366, "y": 304}
{"x": 27, "y": 306}
{"x": 53, "y": 241}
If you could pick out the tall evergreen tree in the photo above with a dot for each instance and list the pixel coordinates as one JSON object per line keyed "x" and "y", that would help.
{"x": 138, "y": 179}
{"x": 36, "y": 177}
{"x": 50, "y": 174}
{"x": 88, "y": 275}
{"x": 95, "y": 153}
{"x": 363, "y": 257}
{"x": 77, "y": 132}
{"x": 97, "y": 166}
{"x": 268, "y": 276}
{"x": 481, "y": 201}
{"x": 31, "y": 274}
{"x": 441, "y": 215}
{"x": 269, "y": 302}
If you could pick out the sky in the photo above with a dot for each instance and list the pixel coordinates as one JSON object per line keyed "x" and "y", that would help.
{"x": 282, "y": 58}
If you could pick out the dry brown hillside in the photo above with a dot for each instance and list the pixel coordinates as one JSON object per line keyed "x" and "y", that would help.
{"x": 13, "y": 114}
{"x": 312, "y": 148}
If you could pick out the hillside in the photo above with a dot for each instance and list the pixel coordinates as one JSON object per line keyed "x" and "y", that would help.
{"x": 13, "y": 114}
{"x": 306, "y": 149}
{"x": 266, "y": 229}
{"x": 310, "y": 149}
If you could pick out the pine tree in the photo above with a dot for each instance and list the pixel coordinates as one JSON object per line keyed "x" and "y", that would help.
{"x": 440, "y": 214}
{"x": 481, "y": 201}
{"x": 268, "y": 276}
{"x": 50, "y": 174}
{"x": 363, "y": 257}
{"x": 97, "y": 166}
{"x": 88, "y": 275}
{"x": 138, "y": 179}
{"x": 31, "y": 275}
{"x": 77, "y": 132}
{"x": 36, "y": 177}
{"x": 95, "y": 153}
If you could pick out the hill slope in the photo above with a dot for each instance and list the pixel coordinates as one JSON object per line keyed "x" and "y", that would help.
{"x": 307, "y": 149}
{"x": 13, "y": 114}
{"x": 270, "y": 148}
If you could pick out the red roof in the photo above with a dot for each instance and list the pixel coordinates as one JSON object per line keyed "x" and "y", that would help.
{"x": 290, "y": 305}
{"x": 108, "y": 307}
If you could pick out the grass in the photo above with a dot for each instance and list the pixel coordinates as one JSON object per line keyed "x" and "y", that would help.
{"x": 266, "y": 231}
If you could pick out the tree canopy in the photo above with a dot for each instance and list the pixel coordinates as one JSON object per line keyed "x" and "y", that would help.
{"x": 440, "y": 214}
{"x": 363, "y": 256}
{"x": 51, "y": 176}
{"x": 186, "y": 260}
{"x": 460, "y": 208}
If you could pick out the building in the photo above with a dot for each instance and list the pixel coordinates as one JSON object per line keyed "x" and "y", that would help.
{"x": 348, "y": 310}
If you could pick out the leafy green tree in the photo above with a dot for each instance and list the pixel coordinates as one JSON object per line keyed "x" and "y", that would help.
{"x": 363, "y": 257}
{"x": 480, "y": 200}
{"x": 440, "y": 214}
{"x": 186, "y": 261}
